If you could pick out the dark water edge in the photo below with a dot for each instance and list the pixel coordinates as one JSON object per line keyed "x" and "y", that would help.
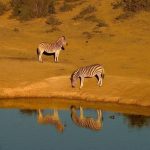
{"x": 21, "y": 128}
{"x": 61, "y": 103}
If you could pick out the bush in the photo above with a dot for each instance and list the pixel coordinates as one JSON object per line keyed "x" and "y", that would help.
{"x": 27, "y": 9}
{"x": 66, "y": 7}
{"x": 2, "y": 8}
{"x": 88, "y": 10}
{"x": 132, "y": 5}
{"x": 53, "y": 21}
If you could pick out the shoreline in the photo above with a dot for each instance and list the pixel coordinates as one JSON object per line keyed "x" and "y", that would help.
{"x": 49, "y": 88}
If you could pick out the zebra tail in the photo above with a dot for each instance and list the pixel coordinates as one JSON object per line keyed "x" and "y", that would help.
{"x": 103, "y": 73}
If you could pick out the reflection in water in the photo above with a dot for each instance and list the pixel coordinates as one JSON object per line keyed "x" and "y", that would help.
{"x": 52, "y": 119}
{"x": 133, "y": 121}
{"x": 137, "y": 121}
{"x": 28, "y": 111}
{"x": 23, "y": 132}
{"x": 86, "y": 122}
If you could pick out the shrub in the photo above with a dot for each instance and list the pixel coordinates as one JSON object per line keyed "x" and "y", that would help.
{"x": 2, "y": 8}
{"x": 132, "y": 5}
{"x": 27, "y": 9}
{"x": 51, "y": 20}
{"x": 53, "y": 29}
{"x": 88, "y": 10}
{"x": 66, "y": 7}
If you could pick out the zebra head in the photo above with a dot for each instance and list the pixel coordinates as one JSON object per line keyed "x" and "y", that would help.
{"x": 63, "y": 41}
{"x": 74, "y": 78}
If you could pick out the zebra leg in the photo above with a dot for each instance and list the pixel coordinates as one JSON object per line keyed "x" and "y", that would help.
{"x": 81, "y": 113}
{"x": 81, "y": 82}
{"x": 56, "y": 116}
{"x": 99, "y": 80}
{"x": 99, "y": 114}
{"x": 40, "y": 114}
{"x": 56, "y": 56}
{"x": 40, "y": 57}
{"x": 99, "y": 117}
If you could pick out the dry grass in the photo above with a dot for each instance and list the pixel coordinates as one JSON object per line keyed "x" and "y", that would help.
{"x": 122, "y": 47}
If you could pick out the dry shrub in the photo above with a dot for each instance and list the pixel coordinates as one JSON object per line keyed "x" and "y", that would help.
{"x": 66, "y": 7}
{"x": 27, "y": 9}
{"x": 124, "y": 16}
{"x": 85, "y": 12}
{"x": 93, "y": 18}
{"x": 51, "y": 20}
{"x": 2, "y": 8}
{"x": 87, "y": 35}
{"x": 132, "y": 5}
{"x": 53, "y": 29}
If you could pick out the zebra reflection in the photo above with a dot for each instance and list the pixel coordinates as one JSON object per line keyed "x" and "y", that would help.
{"x": 86, "y": 122}
{"x": 52, "y": 119}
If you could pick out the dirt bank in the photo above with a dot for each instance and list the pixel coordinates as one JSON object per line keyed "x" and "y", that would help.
{"x": 120, "y": 90}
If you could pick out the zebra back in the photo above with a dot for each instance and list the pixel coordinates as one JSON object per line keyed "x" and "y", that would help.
{"x": 88, "y": 71}
{"x": 57, "y": 45}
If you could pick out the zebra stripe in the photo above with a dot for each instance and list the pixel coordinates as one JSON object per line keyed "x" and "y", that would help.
{"x": 87, "y": 72}
{"x": 49, "y": 48}
{"x": 86, "y": 122}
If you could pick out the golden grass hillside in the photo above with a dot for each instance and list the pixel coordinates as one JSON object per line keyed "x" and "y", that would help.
{"x": 95, "y": 36}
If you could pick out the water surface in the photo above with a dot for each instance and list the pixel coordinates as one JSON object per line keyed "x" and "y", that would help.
{"x": 21, "y": 129}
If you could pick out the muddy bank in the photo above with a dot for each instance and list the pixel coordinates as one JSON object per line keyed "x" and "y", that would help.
{"x": 121, "y": 90}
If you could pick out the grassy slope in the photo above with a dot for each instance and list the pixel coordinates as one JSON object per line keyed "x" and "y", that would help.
{"x": 122, "y": 47}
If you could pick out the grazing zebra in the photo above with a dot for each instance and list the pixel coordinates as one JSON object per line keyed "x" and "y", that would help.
{"x": 86, "y": 122}
{"x": 87, "y": 72}
{"x": 50, "y": 48}
{"x": 51, "y": 119}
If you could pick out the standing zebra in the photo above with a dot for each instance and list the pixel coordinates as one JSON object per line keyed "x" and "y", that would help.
{"x": 86, "y": 122}
{"x": 87, "y": 72}
{"x": 50, "y": 48}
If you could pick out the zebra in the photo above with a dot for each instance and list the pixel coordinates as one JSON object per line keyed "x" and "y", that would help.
{"x": 86, "y": 122}
{"x": 51, "y": 48}
{"x": 50, "y": 119}
{"x": 87, "y": 72}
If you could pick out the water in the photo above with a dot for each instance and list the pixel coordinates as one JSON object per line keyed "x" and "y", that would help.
{"x": 22, "y": 130}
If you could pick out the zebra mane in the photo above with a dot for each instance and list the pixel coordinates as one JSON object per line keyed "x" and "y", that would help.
{"x": 75, "y": 73}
